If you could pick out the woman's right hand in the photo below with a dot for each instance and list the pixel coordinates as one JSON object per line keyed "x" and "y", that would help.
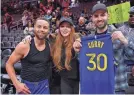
{"x": 27, "y": 39}
{"x": 77, "y": 45}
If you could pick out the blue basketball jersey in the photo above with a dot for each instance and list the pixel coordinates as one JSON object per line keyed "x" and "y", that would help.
{"x": 96, "y": 65}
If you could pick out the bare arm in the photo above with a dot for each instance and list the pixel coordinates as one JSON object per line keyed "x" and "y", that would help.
{"x": 19, "y": 52}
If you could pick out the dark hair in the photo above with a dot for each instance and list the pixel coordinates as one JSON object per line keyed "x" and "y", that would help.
{"x": 41, "y": 18}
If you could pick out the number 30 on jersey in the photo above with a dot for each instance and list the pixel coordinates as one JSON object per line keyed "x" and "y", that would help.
{"x": 96, "y": 65}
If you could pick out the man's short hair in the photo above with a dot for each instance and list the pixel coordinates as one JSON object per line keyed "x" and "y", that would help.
{"x": 41, "y": 18}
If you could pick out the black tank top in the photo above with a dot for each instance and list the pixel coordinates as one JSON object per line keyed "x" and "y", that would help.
{"x": 36, "y": 66}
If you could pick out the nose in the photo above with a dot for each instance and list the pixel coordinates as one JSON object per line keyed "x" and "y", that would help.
{"x": 41, "y": 29}
{"x": 99, "y": 18}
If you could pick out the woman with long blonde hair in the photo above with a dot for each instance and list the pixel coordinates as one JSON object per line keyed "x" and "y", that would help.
{"x": 64, "y": 57}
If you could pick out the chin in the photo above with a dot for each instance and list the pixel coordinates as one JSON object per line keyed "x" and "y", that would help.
{"x": 132, "y": 25}
{"x": 65, "y": 35}
{"x": 41, "y": 38}
{"x": 100, "y": 27}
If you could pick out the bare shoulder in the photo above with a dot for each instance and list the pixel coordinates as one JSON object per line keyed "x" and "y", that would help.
{"x": 22, "y": 47}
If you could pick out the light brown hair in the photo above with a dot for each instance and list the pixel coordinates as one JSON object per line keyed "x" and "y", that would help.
{"x": 57, "y": 50}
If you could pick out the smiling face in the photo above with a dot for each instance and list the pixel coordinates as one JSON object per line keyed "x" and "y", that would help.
{"x": 100, "y": 19}
{"x": 65, "y": 29}
{"x": 41, "y": 29}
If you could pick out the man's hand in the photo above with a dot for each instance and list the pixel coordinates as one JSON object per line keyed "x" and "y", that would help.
{"x": 22, "y": 88}
{"x": 27, "y": 39}
{"x": 117, "y": 35}
{"x": 77, "y": 45}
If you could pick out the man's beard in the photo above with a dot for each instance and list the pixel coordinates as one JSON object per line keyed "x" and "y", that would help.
{"x": 102, "y": 27}
{"x": 41, "y": 38}
{"x": 131, "y": 25}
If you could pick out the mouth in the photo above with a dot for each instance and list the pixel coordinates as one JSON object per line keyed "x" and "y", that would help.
{"x": 100, "y": 22}
{"x": 42, "y": 34}
{"x": 132, "y": 20}
{"x": 65, "y": 32}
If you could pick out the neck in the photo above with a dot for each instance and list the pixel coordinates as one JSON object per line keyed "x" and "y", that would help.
{"x": 39, "y": 42}
{"x": 102, "y": 30}
{"x": 65, "y": 39}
